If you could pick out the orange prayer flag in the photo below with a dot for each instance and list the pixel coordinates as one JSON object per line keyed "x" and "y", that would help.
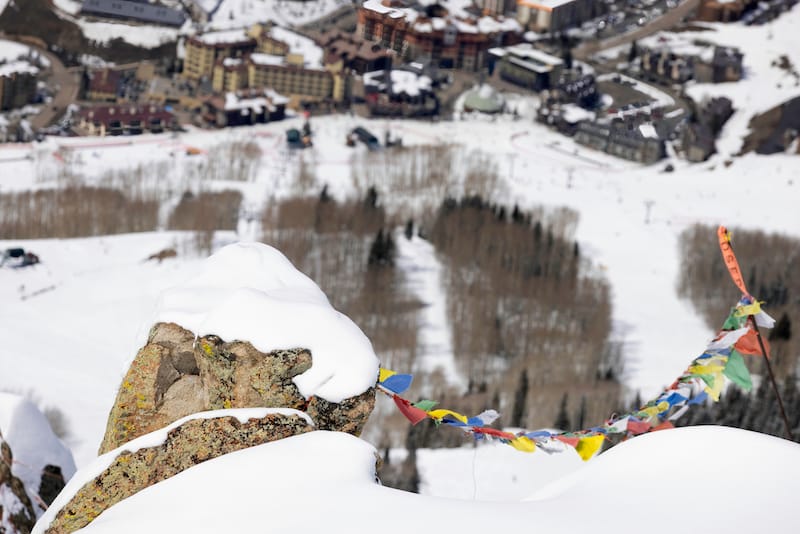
{"x": 748, "y": 344}
{"x": 730, "y": 258}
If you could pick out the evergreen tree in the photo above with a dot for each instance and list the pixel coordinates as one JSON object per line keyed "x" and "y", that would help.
{"x": 520, "y": 401}
{"x": 382, "y": 251}
{"x": 562, "y": 419}
{"x": 581, "y": 419}
{"x": 409, "y": 230}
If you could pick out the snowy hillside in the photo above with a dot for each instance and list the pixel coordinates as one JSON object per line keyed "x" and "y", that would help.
{"x": 83, "y": 312}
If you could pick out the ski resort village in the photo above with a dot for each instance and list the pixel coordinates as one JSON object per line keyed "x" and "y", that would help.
{"x": 327, "y": 266}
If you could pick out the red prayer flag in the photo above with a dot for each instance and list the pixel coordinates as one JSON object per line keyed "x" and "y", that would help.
{"x": 493, "y": 432}
{"x": 638, "y": 427}
{"x": 572, "y": 442}
{"x": 413, "y": 414}
{"x": 666, "y": 425}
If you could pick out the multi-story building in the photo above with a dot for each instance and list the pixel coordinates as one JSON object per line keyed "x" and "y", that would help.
{"x": 260, "y": 59}
{"x": 355, "y": 52}
{"x": 557, "y": 15}
{"x": 17, "y": 84}
{"x": 125, "y": 119}
{"x": 237, "y": 108}
{"x": 456, "y": 39}
{"x": 528, "y": 67}
{"x": 204, "y": 51}
{"x": 281, "y": 73}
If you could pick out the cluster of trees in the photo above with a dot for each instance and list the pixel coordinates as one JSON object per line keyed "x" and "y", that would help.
{"x": 77, "y": 211}
{"x": 81, "y": 211}
{"x": 348, "y": 249}
{"x": 527, "y": 324}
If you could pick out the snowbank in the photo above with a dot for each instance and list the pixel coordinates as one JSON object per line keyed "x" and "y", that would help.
{"x": 153, "y": 439}
{"x": 659, "y": 482}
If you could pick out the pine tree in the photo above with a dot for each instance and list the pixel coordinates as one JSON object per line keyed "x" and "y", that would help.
{"x": 520, "y": 401}
{"x": 562, "y": 419}
{"x": 581, "y": 419}
{"x": 409, "y": 230}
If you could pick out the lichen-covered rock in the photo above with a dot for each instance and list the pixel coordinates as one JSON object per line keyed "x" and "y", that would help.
{"x": 189, "y": 444}
{"x": 176, "y": 374}
{"x": 16, "y": 511}
{"x": 348, "y": 416}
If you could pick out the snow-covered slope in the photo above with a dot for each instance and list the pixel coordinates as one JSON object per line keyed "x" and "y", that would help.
{"x": 717, "y": 480}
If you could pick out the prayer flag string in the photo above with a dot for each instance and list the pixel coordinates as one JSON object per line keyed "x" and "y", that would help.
{"x": 703, "y": 379}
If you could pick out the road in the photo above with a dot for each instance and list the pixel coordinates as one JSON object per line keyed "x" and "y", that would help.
{"x": 66, "y": 84}
{"x": 63, "y": 81}
{"x": 668, "y": 20}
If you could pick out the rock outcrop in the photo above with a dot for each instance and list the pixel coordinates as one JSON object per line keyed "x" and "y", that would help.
{"x": 190, "y": 443}
{"x": 16, "y": 511}
{"x": 176, "y": 374}
{"x": 42, "y": 462}
{"x": 248, "y": 352}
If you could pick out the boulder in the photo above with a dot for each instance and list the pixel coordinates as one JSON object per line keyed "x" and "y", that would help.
{"x": 177, "y": 374}
{"x": 165, "y": 453}
{"x": 16, "y": 511}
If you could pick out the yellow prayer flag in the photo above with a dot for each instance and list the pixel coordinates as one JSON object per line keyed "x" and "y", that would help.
{"x": 439, "y": 414}
{"x": 588, "y": 446}
{"x": 715, "y": 390}
{"x": 706, "y": 369}
{"x": 524, "y": 444}
{"x": 384, "y": 374}
{"x": 747, "y": 309}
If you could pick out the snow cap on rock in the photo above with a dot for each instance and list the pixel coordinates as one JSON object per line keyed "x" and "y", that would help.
{"x": 252, "y": 292}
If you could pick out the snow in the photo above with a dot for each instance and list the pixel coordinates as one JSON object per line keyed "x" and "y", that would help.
{"x": 110, "y": 293}
{"x": 301, "y": 45}
{"x": 764, "y": 85}
{"x": 33, "y": 444}
{"x": 10, "y": 50}
{"x": 660, "y": 97}
{"x": 251, "y": 292}
{"x": 18, "y": 67}
{"x": 417, "y": 258}
{"x": 153, "y": 439}
{"x": 244, "y": 13}
{"x": 221, "y": 37}
{"x": 403, "y": 81}
{"x": 616, "y": 492}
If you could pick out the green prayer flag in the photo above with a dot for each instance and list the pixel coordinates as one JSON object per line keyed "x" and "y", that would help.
{"x": 425, "y": 405}
{"x": 737, "y": 372}
{"x": 733, "y": 322}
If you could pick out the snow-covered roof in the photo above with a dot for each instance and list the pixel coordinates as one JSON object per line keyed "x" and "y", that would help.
{"x": 573, "y": 113}
{"x": 458, "y": 17}
{"x": 223, "y": 37}
{"x": 403, "y": 81}
{"x": 528, "y": 52}
{"x": 267, "y": 59}
{"x": 547, "y": 5}
{"x": 648, "y": 130}
{"x": 299, "y": 44}
{"x": 251, "y": 292}
{"x": 18, "y": 67}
